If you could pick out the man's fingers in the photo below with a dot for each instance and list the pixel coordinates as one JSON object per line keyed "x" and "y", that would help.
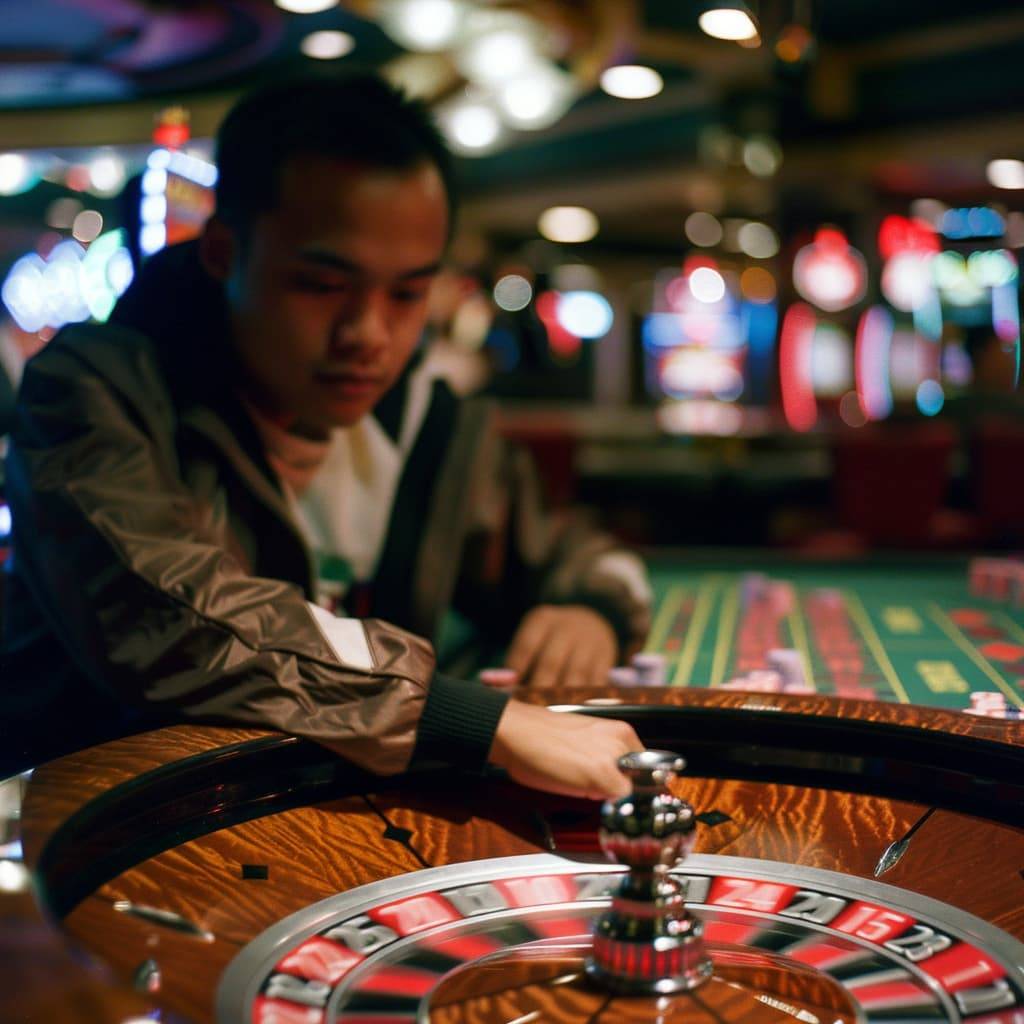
{"x": 527, "y": 643}
{"x": 553, "y": 660}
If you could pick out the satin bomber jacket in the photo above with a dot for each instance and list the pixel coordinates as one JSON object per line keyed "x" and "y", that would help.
{"x": 158, "y": 575}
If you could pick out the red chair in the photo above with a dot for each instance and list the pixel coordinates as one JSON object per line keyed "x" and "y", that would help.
{"x": 891, "y": 481}
{"x": 996, "y": 474}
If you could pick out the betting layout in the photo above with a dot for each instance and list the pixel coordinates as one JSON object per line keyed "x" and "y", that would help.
{"x": 894, "y": 633}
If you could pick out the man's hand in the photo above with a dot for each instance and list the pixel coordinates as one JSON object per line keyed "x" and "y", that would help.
{"x": 568, "y": 645}
{"x": 563, "y": 753}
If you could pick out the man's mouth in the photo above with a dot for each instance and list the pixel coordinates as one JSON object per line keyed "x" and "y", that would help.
{"x": 349, "y": 383}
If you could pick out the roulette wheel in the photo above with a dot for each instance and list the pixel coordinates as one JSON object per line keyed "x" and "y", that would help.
{"x": 239, "y": 876}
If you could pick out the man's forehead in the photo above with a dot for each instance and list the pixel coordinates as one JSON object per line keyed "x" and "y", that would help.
{"x": 316, "y": 171}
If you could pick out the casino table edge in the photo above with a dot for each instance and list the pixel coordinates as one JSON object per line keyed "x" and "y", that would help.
{"x": 88, "y": 814}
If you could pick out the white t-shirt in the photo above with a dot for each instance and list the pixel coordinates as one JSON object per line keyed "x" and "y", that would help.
{"x": 342, "y": 489}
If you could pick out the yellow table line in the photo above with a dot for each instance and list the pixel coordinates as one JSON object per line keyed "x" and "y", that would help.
{"x": 859, "y": 614}
{"x": 726, "y": 628}
{"x": 695, "y": 631}
{"x": 946, "y": 624}
{"x": 798, "y": 629}
{"x": 1010, "y": 626}
{"x": 663, "y": 620}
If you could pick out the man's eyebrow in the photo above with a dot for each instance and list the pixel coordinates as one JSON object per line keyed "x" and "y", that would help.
{"x": 333, "y": 261}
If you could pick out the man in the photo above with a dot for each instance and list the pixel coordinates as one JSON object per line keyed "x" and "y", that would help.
{"x": 171, "y": 473}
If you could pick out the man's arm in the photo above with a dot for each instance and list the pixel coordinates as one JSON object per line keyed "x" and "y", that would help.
{"x": 136, "y": 580}
{"x": 582, "y": 602}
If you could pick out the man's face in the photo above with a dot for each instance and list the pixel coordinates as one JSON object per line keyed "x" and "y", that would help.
{"x": 329, "y": 296}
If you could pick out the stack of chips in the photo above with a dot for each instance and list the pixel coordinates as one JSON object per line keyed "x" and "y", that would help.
{"x": 651, "y": 669}
{"x": 991, "y": 705}
{"x": 753, "y": 587}
{"x": 757, "y": 681}
{"x": 623, "y": 675}
{"x": 499, "y": 678}
{"x": 790, "y": 665}
{"x": 999, "y": 579}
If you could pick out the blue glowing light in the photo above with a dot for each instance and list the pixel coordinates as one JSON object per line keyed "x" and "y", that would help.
{"x": 930, "y": 397}
{"x": 972, "y": 222}
{"x": 585, "y": 314}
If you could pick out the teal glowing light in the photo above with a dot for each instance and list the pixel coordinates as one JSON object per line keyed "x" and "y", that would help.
{"x": 930, "y": 397}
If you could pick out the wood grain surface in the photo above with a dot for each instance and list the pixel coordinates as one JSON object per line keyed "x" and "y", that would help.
{"x": 232, "y": 883}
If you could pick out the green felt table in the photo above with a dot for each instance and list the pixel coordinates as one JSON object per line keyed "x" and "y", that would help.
{"x": 892, "y": 630}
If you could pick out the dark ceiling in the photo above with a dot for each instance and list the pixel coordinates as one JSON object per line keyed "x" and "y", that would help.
{"x": 902, "y": 97}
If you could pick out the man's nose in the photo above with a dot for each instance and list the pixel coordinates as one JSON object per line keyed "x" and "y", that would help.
{"x": 364, "y": 321}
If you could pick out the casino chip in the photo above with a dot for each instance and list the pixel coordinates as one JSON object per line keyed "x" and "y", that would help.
{"x": 499, "y": 678}
{"x": 651, "y": 669}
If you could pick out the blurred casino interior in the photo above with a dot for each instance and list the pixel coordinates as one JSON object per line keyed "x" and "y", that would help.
{"x": 739, "y": 273}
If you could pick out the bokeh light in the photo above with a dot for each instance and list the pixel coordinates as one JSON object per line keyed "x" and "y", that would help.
{"x": 15, "y": 174}
{"x": 568, "y": 224}
{"x": 306, "y": 6}
{"x": 757, "y": 285}
{"x": 762, "y": 156}
{"x": 930, "y": 397}
{"x": 731, "y": 23}
{"x": 107, "y": 173}
{"x": 513, "y": 292}
{"x": 585, "y": 314}
{"x": 757, "y": 240}
{"x": 473, "y": 127}
{"x": 538, "y": 98}
{"x": 830, "y": 272}
{"x": 703, "y": 229}
{"x": 631, "y": 82}
{"x": 499, "y": 53}
{"x": 327, "y": 45}
{"x": 87, "y": 225}
{"x": 61, "y": 213}
{"x": 423, "y": 25}
{"x": 850, "y": 411}
{"x": 1008, "y": 174}
{"x": 706, "y": 285}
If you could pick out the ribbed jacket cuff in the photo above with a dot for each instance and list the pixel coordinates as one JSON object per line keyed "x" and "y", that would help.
{"x": 458, "y": 722}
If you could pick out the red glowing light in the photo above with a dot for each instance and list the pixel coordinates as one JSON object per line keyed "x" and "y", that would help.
{"x": 795, "y": 340}
{"x": 563, "y": 344}
{"x": 906, "y": 234}
{"x": 172, "y": 128}
{"x": 830, "y": 272}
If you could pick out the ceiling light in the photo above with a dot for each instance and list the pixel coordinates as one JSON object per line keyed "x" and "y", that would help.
{"x": 306, "y": 6}
{"x": 1006, "y": 173}
{"x": 568, "y": 224}
{"x": 107, "y": 173}
{"x": 703, "y": 229}
{"x": 15, "y": 174}
{"x": 758, "y": 240}
{"x": 327, "y": 45}
{"x": 538, "y": 98}
{"x": 424, "y": 25}
{"x": 497, "y": 56}
{"x": 726, "y": 20}
{"x": 472, "y": 127}
{"x": 631, "y": 82}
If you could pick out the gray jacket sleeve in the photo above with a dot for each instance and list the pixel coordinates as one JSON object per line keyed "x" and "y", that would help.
{"x": 520, "y": 554}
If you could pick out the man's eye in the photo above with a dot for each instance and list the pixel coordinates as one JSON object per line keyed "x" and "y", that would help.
{"x": 318, "y": 287}
{"x": 408, "y": 295}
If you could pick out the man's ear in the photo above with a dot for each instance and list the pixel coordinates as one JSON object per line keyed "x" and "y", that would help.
{"x": 218, "y": 248}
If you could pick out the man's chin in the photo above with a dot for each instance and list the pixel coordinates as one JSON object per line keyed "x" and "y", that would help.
{"x": 346, "y": 414}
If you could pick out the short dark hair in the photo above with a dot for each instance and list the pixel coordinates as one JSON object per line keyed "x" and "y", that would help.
{"x": 356, "y": 116}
